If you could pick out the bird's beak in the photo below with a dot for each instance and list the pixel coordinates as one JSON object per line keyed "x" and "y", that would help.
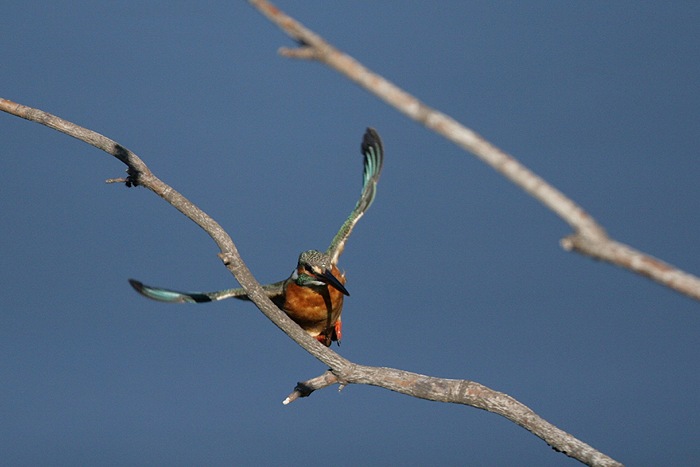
{"x": 330, "y": 279}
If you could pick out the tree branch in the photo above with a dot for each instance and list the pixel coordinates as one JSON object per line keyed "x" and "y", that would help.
{"x": 457, "y": 392}
{"x": 342, "y": 371}
{"x": 589, "y": 238}
{"x": 139, "y": 174}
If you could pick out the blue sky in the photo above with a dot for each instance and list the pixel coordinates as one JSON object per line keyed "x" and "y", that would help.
{"x": 454, "y": 272}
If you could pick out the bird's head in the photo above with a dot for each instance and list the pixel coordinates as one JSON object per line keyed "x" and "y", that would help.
{"x": 316, "y": 269}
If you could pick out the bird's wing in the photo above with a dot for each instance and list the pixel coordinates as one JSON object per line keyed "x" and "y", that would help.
{"x": 373, "y": 153}
{"x": 173, "y": 296}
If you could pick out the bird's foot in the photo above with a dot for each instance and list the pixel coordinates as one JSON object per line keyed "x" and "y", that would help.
{"x": 338, "y": 331}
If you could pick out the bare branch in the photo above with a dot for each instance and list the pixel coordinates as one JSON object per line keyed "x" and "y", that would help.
{"x": 139, "y": 174}
{"x": 588, "y": 238}
{"x": 304, "y": 389}
{"x": 342, "y": 371}
{"x": 457, "y": 392}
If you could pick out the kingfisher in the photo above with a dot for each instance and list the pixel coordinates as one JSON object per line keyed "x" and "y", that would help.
{"x": 313, "y": 295}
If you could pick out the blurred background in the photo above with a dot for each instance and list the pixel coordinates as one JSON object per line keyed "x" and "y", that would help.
{"x": 454, "y": 272}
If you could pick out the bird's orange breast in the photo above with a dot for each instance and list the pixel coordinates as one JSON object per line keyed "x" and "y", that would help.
{"x": 316, "y": 309}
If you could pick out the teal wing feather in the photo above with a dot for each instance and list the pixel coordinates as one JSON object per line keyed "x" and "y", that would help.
{"x": 373, "y": 153}
{"x": 173, "y": 296}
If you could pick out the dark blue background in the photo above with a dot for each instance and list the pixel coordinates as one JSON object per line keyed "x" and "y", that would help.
{"x": 454, "y": 272}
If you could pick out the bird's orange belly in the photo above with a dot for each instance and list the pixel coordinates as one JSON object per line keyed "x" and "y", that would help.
{"x": 315, "y": 309}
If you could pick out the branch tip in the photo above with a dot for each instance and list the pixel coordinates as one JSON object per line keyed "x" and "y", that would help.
{"x": 567, "y": 243}
{"x": 116, "y": 180}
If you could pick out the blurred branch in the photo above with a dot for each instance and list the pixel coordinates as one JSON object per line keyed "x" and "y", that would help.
{"x": 342, "y": 371}
{"x": 589, "y": 238}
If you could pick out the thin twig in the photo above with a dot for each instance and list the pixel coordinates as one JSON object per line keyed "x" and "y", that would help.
{"x": 588, "y": 238}
{"x": 342, "y": 370}
{"x": 305, "y": 388}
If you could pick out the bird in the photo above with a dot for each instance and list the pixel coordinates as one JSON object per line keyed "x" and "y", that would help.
{"x": 312, "y": 296}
